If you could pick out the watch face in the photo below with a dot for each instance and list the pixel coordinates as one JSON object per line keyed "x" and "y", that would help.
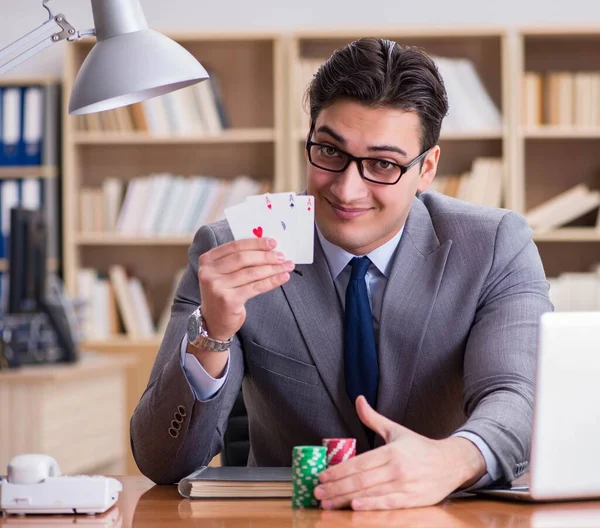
{"x": 192, "y": 328}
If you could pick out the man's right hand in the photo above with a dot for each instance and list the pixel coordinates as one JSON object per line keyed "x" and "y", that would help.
{"x": 228, "y": 276}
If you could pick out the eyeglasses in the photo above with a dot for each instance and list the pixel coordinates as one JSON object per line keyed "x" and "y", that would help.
{"x": 376, "y": 170}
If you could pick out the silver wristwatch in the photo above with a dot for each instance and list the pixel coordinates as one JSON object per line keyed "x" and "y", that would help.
{"x": 198, "y": 336}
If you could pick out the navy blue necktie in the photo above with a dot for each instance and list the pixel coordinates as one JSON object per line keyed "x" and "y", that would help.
{"x": 360, "y": 353}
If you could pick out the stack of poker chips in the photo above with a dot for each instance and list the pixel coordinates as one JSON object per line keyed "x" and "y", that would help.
{"x": 307, "y": 463}
{"x": 339, "y": 450}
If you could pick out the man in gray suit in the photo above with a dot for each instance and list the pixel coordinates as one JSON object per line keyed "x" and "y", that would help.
{"x": 413, "y": 331}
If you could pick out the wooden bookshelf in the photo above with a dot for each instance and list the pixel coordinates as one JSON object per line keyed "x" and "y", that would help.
{"x": 268, "y": 133}
{"x": 487, "y": 48}
{"x": 250, "y": 71}
{"x": 551, "y": 158}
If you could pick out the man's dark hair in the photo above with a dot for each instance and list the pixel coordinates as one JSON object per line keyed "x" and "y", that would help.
{"x": 380, "y": 73}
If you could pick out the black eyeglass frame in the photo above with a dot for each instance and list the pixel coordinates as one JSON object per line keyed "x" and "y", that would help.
{"x": 359, "y": 161}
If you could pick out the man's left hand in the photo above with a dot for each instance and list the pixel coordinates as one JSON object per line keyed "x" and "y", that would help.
{"x": 409, "y": 471}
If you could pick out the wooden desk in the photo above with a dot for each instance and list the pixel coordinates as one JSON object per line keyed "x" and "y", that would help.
{"x": 143, "y": 505}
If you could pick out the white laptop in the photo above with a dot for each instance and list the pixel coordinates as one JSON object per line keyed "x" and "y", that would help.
{"x": 565, "y": 447}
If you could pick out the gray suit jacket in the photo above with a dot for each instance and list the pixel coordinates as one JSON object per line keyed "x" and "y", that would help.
{"x": 456, "y": 352}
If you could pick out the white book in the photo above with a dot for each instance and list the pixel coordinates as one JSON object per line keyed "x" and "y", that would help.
{"x": 112, "y": 191}
{"x": 546, "y": 214}
{"x": 33, "y": 120}
{"x": 208, "y": 108}
{"x": 465, "y": 186}
{"x": 203, "y": 205}
{"x": 462, "y": 113}
{"x": 11, "y": 121}
{"x": 175, "y": 114}
{"x": 125, "y": 301}
{"x": 486, "y": 115}
{"x": 101, "y": 309}
{"x": 142, "y": 309}
{"x": 213, "y": 206}
{"x": 86, "y": 291}
{"x": 136, "y": 209}
{"x": 31, "y": 194}
{"x": 573, "y": 210}
{"x": 172, "y": 207}
{"x": 583, "y": 94}
{"x": 157, "y": 194}
{"x": 156, "y": 117}
{"x": 479, "y": 180}
{"x": 191, "y": 110}
{"x": 192, "y": 200}
{"x": 127, "y": 208}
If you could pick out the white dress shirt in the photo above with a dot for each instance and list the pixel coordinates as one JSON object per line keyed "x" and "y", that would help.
{"x": 205, "y": 386}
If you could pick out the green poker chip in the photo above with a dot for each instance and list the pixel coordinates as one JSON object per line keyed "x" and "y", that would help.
{"x": 307, "y": 463}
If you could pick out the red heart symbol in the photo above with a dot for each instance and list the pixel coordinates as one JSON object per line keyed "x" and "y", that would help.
{"x": 258, "y": 231}
{"x": 270, "y": 206}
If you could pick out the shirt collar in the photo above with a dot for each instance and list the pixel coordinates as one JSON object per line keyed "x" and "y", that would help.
{"x": 338, "y": 258}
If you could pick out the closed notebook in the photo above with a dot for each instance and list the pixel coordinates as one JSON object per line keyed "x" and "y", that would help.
{"x": 237, "y": 482}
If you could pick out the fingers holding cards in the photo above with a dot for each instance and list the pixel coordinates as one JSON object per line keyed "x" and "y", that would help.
{"x": 230, "y": 274}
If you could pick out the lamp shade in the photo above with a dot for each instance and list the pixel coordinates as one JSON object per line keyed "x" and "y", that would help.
{"x": 130, "y": 62}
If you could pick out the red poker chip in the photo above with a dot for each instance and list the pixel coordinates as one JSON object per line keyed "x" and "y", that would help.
{"x": 339, "y": 449}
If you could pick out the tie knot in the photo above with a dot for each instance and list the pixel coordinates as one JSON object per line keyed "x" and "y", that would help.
{"x": 360, "y": 265}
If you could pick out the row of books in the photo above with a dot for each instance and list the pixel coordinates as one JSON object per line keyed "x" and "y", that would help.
{"x": 117, "y": 303}
{"x": 481, "y": 185}
{"x": 578, "y": 292}
{"x": 472, "y": 109}
{"x": 195, "y": 110}
{"x": 29, "y": 125}
{"x": 161, "y": 204}
{"x": 565, "y": 208}
{"x": 561, "y": 98}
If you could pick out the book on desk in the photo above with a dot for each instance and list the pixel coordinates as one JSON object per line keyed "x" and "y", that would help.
{"x": 237, "y": 482}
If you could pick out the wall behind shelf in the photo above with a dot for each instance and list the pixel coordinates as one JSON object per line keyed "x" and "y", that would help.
{"x": 18, "y": 18}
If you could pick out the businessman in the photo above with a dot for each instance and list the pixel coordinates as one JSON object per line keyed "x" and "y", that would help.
{"x": 413, "y": 331}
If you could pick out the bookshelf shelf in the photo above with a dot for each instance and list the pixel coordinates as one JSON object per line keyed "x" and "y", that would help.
{"x": 568, "y": 234}
{"x": 560, "y": 132}
{"x": 112, "y": 239}
{"x": 31, "y": 171}
{"x": 242, "y": 135}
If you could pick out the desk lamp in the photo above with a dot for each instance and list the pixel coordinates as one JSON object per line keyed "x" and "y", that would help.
{"x": 129, "y": 62}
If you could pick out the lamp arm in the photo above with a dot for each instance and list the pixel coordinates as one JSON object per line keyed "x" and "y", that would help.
{"x": 55, "y": 29}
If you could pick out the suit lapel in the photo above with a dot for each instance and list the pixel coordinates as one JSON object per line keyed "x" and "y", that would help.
{"x": 407, "y": 304}
{"x": 318, "y": 312}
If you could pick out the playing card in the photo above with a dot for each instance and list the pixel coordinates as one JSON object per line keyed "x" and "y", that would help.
{"x": 248, "y": 221}
{"x": 300, "y": 230}
{"x": 296, "y": 213}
